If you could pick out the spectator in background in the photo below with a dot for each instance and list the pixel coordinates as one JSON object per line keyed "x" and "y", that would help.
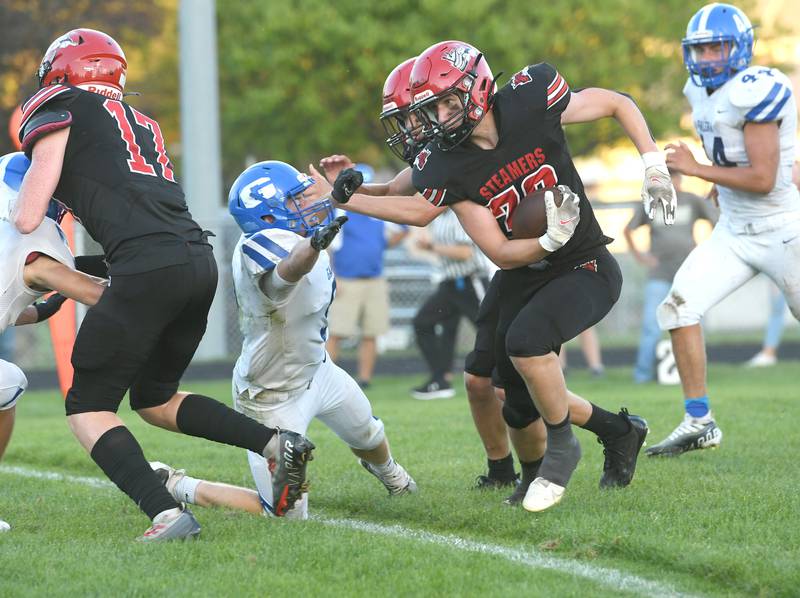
{"x": 768, "y": 355}
{"x": 463, "y": 285}
{"x": 669, "y": 246}
{"x": 363, "y": 305}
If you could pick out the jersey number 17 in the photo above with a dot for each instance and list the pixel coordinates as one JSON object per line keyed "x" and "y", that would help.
{"x": 136, "y": 161}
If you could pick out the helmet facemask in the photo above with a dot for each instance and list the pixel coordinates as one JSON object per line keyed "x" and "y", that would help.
{"x": 404, "y": 132}
{"x": 458, "y": 126}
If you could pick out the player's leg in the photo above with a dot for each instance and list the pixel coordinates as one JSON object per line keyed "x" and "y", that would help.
{"x": 711, "y": 272}
{"x": 204, "y": 493}
{"x": 346, "y": 410}
{"x": 437, "y": 310}
{"x": 590, "y": 346}
{"x": 110, "y": 348}
{"x": 156, "y": 399}
{"x": 484, "y": 404}
{"x": 292, "y": 412}
{"x": 344, "y": 314}
{"x": 768, "y": 355}
{"x": 12, "y": 385}
{"x": 561, "y": 309}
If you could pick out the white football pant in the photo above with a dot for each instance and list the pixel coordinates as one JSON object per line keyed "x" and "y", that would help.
{"x": 334, "y": 398}
{"x": 12, "y": 384}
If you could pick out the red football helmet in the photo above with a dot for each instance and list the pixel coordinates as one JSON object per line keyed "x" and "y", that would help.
{"x": 87, "y": 59}
{"x": 451, "y": 67}
{"x": 403, "y": 138}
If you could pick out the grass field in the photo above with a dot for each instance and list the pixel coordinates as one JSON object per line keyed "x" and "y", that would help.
{"x": 715, "y": 523}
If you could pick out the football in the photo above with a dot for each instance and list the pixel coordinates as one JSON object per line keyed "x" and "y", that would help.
{"x": 529, "y": 220}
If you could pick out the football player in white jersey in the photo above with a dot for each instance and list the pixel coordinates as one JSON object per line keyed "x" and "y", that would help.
{"x": 284, "y": 287}
{"x": 747, "y": 119}
{"x": 32, "y": 266}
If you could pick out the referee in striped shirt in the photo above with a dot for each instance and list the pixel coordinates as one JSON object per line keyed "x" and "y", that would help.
{"x": 463, "y": 284}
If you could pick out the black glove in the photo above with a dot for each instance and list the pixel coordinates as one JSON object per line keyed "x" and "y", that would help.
{"x": 346, "y": 184}
{"x": 49, "y": 306}
{"x": 324, "y": 235}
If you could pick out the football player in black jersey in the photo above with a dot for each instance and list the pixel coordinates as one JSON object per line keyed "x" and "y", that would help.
{"x": 490, "y": 149}
{"x": 404, "y": 138}
{"x": 106, "y": 162}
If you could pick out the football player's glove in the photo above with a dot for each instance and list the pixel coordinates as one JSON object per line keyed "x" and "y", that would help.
{"x": 346, "y": 184}
{"x": 324, "y": 235}
{"x": 561, "y": 220}
{"x": 48, "y": 308}
{"x": 657, "y": 188}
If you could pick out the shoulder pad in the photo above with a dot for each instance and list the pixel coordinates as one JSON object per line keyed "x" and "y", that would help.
{"x": 39, "y": 99}
{"x": 556, "y": 86}
{"x": 761, "y": 93}
{"x": 41, "y": 124}
{"x": 262, "y": 251}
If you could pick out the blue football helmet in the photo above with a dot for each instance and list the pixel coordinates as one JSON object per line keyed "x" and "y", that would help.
{"x": 268, "y": 195}
{"x": 724, "y": 24}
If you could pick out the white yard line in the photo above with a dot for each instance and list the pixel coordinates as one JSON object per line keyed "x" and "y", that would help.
{"x": 528, "y": 557}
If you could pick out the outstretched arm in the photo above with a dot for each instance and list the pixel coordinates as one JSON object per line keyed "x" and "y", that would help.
{"x": 414, "y": 210}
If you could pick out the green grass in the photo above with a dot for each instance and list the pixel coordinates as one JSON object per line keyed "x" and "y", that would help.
{"x": 721, "y": 522}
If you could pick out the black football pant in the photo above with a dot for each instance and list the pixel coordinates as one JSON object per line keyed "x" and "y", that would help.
{"x": 452, "y": 300}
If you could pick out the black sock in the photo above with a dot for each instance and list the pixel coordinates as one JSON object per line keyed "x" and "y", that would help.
{"x": 562, "y": 455}
{"x": 206, "y": 418}
{"x": 529, "y": 472}
{"x": 502, "y": 469}
{"x": 121, "y": 459}
{"x": 605, "y": 424}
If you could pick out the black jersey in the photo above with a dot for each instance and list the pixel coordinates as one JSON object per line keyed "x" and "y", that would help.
{"x": 118, "y": 181}
{"x": 531, "y": 154}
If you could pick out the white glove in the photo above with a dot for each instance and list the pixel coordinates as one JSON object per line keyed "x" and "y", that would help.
{"x": 657, "y": 187}
{"x": 561, "y": 220}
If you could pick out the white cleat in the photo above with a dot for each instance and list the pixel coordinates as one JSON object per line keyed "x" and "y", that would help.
{"x": 397, "y": 481}
{"x": 761, "y": 360}
{"x": 170, "y": 478}
{"x": 4, "y": 527}
{"x": 542, "y": 495}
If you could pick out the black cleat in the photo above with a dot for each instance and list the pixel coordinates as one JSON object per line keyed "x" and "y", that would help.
{"x": 485, "y": 482}
{"x": 516, "y": 497}
{"x": 692, "y": 434}
{"x": 287, "y": 459}
{"x": 621, "y": 453}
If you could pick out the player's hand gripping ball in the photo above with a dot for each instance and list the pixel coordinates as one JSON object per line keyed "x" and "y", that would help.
{"x": 550, "y": 215}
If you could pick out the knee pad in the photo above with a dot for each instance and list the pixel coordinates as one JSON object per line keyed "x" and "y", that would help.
{"x": 518, "y": 408}
{"x": 674, "y": 312}
{"x": 523, "y": 341}
{"x": 477, "y": 387}
{"x": 371, "y": 437}
{"x": 12, "y": 384}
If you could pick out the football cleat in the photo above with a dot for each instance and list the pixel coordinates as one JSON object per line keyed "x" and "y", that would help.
{"x": 542, "y": 494}
{"x": 4, "y": 527}
{"x": 485, "y": 482}
{"x": 170, "y": 477}
{"x": 287, "y": 455}
{"x": 433, "y": 389}
{"x": 516, "y": 497}
{"x": 761, "y": 360}
{"x": 692, "y": 434}
{"x": 180, "y": 526}
{"x": 621, "y": 453}
{"x": 397, "y": 482}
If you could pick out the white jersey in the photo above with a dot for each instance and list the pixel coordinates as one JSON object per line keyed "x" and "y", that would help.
{"x": 47, "y": 239}
{"x": 756, "y": 94}
{"x": 284, "y": 344}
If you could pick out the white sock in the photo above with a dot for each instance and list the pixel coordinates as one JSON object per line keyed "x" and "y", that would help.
{"x": 384, "y": 468}
{"x": 186, "y": 488}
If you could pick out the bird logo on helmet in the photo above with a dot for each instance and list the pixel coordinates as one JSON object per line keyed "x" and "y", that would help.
{"x": 722, "y": 24}
{"x": 87, "y": 59}
{"x": 269, "y": 195}
{"x": 446, "y": 68}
